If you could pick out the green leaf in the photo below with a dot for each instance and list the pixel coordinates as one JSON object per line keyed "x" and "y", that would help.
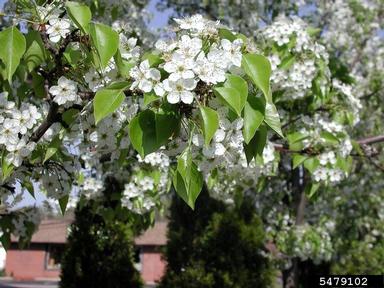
{"x": 298, "y": 159}
{"x": 210, "y": 123}
{"x": 52, "y": 148}
{"x": 63, "y": 201}
{"x": 226, "y": 34}
{"x": 12, "y": 48}
{"x": 6, "y": 169}
{"x": 258, "y": 68}
{"x": 153, "y": 59}
{"x": 296, "y": 137}
{"x": 35, "y": 54}
{"x": 255, "y": 147}
{"x": 253, "y": 116}
{"x": 287, "y": 62}
{"x": 311, "y": 164}
{"x": 80, "y": 14}
{"x": 329, "y": 137}
{"x": 105, "y": 40}
{"x": 187, "y": 179}
{"x": 73, "y": 54}
{"x": 167, "y": 124}
{"x": 311, "y": 189}
{"x": 149, "y": 131}
{"x": 123, "y": 66}
{"x": 70, "y": 116}
{"x": 272, "y": 118}
{"x": 234, "y": 93}
{"x": 149, "y": 98}
{"x": 29, "y": 186}
{"x": 107, "y": 100}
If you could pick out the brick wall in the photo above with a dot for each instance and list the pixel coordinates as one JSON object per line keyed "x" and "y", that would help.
{"x": 152, "y": 264}
{"x": 28, "y": 264}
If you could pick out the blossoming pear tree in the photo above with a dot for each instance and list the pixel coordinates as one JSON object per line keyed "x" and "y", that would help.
{"x": 315, "y": 228}
{"x": 82, "y": 102}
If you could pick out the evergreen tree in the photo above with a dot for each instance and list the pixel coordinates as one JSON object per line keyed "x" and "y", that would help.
{"x": 99, "y": 253}
{"x": 215, "y": 246}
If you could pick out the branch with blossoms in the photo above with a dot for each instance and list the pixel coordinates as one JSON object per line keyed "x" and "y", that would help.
{"x": 204, "y": 107}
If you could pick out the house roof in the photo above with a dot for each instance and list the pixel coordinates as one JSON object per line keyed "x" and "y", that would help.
{"x": 56, "y": 231}
{"x": 156, "y": 235}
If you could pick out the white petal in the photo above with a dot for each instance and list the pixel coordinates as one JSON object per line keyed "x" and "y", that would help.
{"x": 187, "y": 97}
{"x": 145, "y": 85}
{"x": 54, "y": 37}
{"x": 189, "y": 84}
{"x": 173, "y": 97}
{"x": 188, "y": 74}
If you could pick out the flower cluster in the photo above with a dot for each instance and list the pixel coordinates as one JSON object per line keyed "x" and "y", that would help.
{"x": 296, "y": 60}
{"x": 148, "y": 183}
{"x": 65, "y": 92}
{"x": 187, "y": 61}
{"x": 17, "y": 125}
{"x": 306, "y": 242}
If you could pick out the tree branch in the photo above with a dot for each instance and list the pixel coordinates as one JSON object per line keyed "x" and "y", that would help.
{"x": 52, "y": 117}
{"x": 365, "y": 141}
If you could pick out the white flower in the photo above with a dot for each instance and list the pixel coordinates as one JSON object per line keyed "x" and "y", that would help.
{"x": 57, "y": 29}
{"x": 268, "y": 153}
{"x": 189, "y": 47}
{"x": 335, "y": 175}
{"x": 180, "y": 90}
{"x": 131, "y": 190}
{"x": 94, "y": 80}
{"x": 232, "y": 51}
{"x": 207, "y": 71}
{"x": 18, "y": 151}
{"x": 179, "y": 67}
{"x": 144, "y": 76}
{"x": 320, "y": 174}
{"x": 147, "y": 183}
{"x": 48, "y": 12}
{"x": 8, "y": 132}
{"x": 65, "y": 91}
{"x": 195, "y": 22}
{"x": 328, "y": 157}
{"x": 165, "y": 46}
{"x": 128, "y": 48}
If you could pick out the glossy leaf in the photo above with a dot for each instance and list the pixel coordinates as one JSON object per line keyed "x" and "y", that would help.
{"x": 253, "y": 117}
{"x": 272, "y": 118}
{"x": 210, "y": 123}
{"x": 105, "y": 40}
{"x": 107, "y": 100}
{"x": 63, "y": 201}
{"x": 12, "y": 48}
{"x": 226, "y": 34}
{"x": 35, "y": 54}
{"x": 187, "y": 179}
{"x": 258, "y": 68}
{"x": 234, "y": 93}
{"x": 311, "y": 164}
{"x": 298, "y": 159}
{"x": 148, "y": 131}
{"x": 255, "y": 147}
{"x": 80, "y": 14}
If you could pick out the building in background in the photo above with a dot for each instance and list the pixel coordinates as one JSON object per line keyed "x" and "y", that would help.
{"x": 41, "y": 260}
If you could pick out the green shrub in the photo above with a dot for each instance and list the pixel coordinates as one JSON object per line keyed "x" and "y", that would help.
{"x": 98, "y": 253}
{"x": 215, "y": 246}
